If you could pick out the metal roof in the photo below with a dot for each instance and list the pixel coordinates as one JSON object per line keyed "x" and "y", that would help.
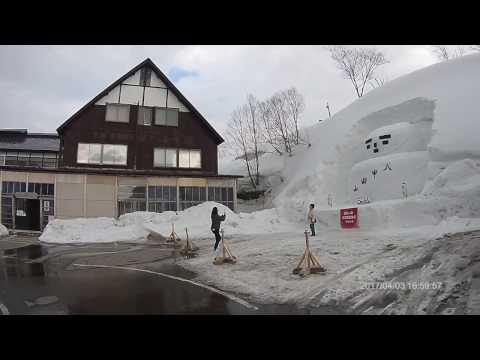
{"x": 28, "y": 142}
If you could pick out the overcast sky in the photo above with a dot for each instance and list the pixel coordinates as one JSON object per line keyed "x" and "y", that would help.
{"x": 42, "y": 86}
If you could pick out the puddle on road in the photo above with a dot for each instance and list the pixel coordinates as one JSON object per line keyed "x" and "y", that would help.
{"x": 113, "y": 291}
{"x": 15, "y": 263}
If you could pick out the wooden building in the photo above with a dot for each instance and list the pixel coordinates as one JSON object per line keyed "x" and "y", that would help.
{"x": 139, "y": 145}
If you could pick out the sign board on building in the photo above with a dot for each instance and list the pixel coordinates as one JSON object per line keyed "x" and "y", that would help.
{"x": 349, "y": 218}
{"x": 21, "y": 213}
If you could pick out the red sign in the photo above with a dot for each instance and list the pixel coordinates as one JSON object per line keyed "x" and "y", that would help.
{"x": 349, "y": 218}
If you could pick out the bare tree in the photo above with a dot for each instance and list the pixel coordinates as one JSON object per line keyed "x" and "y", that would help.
{"x": 444, "y": 52}
{"x": 269, "y": 128}
{"x": 295, "y": 107}
{"x": 244, "y": 134}
{"x": 357, "y": 64}
{"x": 254, "y": 131}
{"x": 278, "y": 123}
{"x": 475, "y": 47}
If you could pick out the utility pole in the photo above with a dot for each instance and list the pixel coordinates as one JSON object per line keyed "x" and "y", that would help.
{"x": 328, "y": 108}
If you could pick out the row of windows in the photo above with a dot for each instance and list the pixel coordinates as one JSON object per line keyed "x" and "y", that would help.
{"x": 10, "y": 187}
{"x": 162, "y": 193}
{"x": 106, "y": 154}
{"x": 146, "y": 115}
{"x": 182, "y": 158}
{"x": 164, "y": 198}
{"x": 222, "y": 195}
{"x": 26, "y": 158}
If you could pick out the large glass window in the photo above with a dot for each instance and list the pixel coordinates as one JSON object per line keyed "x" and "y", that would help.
{"x": 191, "y": 196}
{"x": 189, "y": 159}
{"x": 23, "y": 159}
{"x": 10, "y": 187}
{"x": 107, "y": 154}
{"x": 89, "y": 153}
{"x": 145, "y": 115}
{"x": 165, "y": 157}
{"x": 172, "y": 117}
{"x": 49, "y": 160}
{"x": 26, "y": 158}
{"x": 166, "y": 116}
{"x": 11, "y": 158}
{"x": 42, "y": 189}
{"x": 131, "y": 198}
{"x": 36, "y": 159}
{"x": 222, "y": 195}
{"x": 162, "y": 198}
{"x": 114, "y": 154}
{"x": 118, "y": 113}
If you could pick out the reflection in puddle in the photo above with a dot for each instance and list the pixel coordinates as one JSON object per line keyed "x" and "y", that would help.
{"x": 15, "y": 263}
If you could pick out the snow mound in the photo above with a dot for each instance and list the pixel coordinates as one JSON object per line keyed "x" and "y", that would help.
{"x": 417, "y": 134}
{"x": 3, "y": 230}
{"x": 136, "y": 226}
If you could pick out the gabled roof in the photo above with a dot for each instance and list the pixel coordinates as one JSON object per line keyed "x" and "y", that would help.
{"x": 164, "y": 78}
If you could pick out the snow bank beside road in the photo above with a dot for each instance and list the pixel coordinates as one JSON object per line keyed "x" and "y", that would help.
{"x": 136, "y": 226}
{"x": 3, "y": 230}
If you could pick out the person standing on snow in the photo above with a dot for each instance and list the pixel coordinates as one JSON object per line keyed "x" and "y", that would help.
{"x": 216, "y": 220}
{"x": 312, "y": 219}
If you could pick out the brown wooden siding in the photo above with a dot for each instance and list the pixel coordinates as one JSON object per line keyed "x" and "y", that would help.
{"x": 91, "y": 127}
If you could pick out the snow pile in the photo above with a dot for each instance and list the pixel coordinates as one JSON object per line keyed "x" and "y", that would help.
{"x": 135, "y": 226}
{"x": 3, "y": 230}
{"x": 92, "y": 230}
{"x": 432, "y": 117}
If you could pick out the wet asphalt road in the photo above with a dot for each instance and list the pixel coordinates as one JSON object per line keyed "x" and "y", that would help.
{"x": 145, "y": 279}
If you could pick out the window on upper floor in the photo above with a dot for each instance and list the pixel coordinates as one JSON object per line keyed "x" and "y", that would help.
{"x": 189, "y": 159}
{"x": 117, "y": 113}
{"x": 145, "y": 115}
{"x": 107, "y": 154}
{"x": 163, "y": 157}
{"x": 166, "y": 116}
{"x": 27, "y": 158}
{"x": 114, "y": 154}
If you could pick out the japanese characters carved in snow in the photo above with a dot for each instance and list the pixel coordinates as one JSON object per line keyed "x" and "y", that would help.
{"x": 391, "y": 155}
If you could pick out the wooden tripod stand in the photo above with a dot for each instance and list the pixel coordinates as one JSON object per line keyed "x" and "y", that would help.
{"x": 226, "y": 255}
{"x": 173, "y": 237}
{"x": 189, "y": 250}
{"x": 309, "y": 263}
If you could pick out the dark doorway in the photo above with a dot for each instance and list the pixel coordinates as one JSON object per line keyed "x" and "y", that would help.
{"x": 27, "y": 214}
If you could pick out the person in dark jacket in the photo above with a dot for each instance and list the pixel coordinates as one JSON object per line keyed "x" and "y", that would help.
{"x": 216, "y": 220}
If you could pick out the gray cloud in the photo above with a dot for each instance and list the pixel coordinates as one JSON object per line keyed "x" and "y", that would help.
{"x": 42, "y": 86}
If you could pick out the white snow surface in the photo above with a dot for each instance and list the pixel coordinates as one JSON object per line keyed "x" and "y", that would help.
{"x": 443, "y": 95}
{"x": 136, "y": 226}
{"x": 3, "y": 230}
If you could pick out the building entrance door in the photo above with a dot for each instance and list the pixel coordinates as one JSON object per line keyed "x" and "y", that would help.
{"x": 27, "y": 214}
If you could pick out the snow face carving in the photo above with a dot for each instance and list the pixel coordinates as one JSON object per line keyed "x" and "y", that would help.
{"x": 373, "y": 144}
{"x": 393, "y": 150}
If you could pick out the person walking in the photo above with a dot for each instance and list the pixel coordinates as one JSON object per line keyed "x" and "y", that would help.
{"x": 216, "y": 220}
{"x": 312, "y": 219}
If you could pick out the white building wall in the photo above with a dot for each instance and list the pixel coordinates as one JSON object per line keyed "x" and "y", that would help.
{"x": 134, "y": 79}
{"x": 155, "y": 81}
